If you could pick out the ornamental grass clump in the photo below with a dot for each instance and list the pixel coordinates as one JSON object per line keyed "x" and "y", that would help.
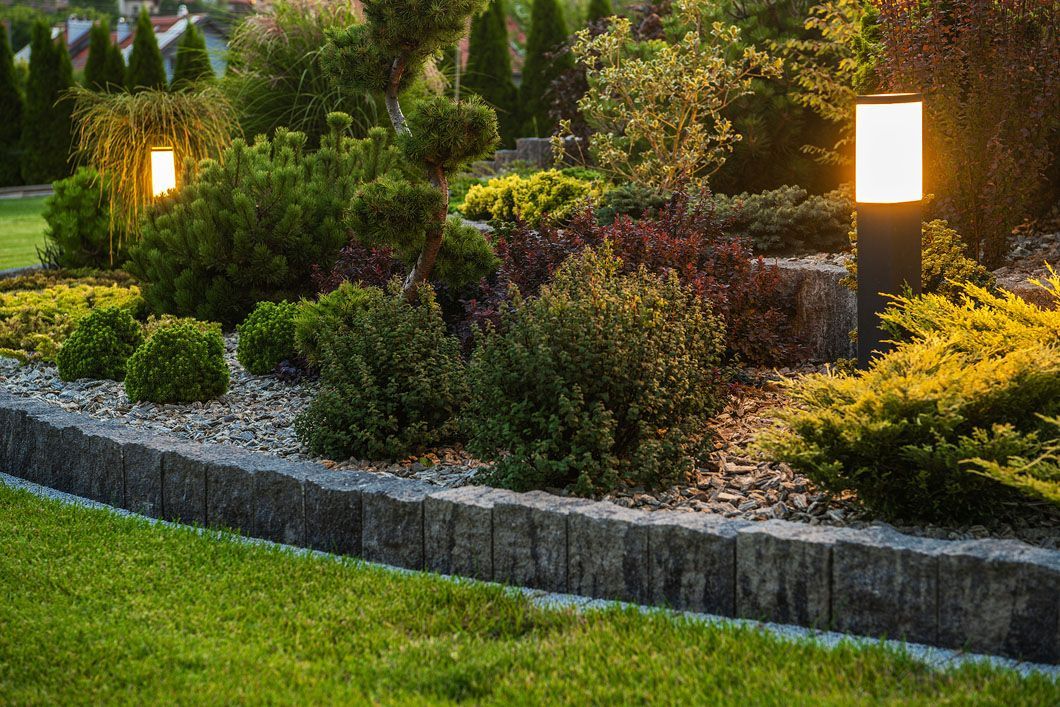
{"x": 392, "y": 380}
{"x": 178, "y": 364}
{"x": 100, "y": 346}
{"x": 603, "y": 378}
{"x": 951, "y": 425}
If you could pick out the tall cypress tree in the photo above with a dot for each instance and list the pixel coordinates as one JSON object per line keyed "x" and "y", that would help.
{"x": 46, "y": 129}
{"x": 548, "y": 31}
{"x": 146, "y": 69}
{"x": 193, "y": 63}
{"x": 114, "y": 73}
{"x": 599, "y": 9}
{"x": 10, "y": 115}
{"x": 98, "y": 48}
{"x": 489, "y": 68}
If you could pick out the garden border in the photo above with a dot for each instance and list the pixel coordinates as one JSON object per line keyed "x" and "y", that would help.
{"x": 987, "y": 596}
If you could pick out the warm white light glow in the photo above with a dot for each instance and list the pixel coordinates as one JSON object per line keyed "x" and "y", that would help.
{"x": 889, "y": 152}
{"x": 163, "y": 170}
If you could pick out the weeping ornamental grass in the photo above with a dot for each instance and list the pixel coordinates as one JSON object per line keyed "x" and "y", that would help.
{"x": 116, "y": 131}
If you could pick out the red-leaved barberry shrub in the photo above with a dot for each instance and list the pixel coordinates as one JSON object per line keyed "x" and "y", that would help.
{"x": 990, "y": 74}
{"x": 686, "y": 238}
{"x": 358, "y": 264}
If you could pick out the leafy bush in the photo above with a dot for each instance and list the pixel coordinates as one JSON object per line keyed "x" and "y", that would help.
{"x": 314, "y": 321}
{"x": 657, "y": 108}
{"x": 603, "y": 378}
{"x": 392, "y": 380}
{"x": 789, "y": 219}
{"x": 39, "y": 320}
{"x": 155, "y": 324}
{"x": 266, "y": 337}
{"x": 945, "y": 266}
{"x": 973, "y": 381}
{"x": 987, "y": 70}
{"x": 178, "y": 364}
{"x": 251, "y": 227}
{"x": 78, "y": 216}
{"x": 543, "y": 195}
{"x": 100, "y": 345}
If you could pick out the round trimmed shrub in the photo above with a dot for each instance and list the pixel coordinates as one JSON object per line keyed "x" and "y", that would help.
{"x": 178, "y": 364}
{"x": 100, "y": 345}
{"x": 313, "y": 319}
{"x": 266, "y": 337}
{"x": 392, "y": 380}
{"x": 79, "y": 224}
{"x": 603, "y": 378}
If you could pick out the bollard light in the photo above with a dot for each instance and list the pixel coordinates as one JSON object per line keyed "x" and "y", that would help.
{"x": 163, "y": 170}
{"x": 889, "y": 189}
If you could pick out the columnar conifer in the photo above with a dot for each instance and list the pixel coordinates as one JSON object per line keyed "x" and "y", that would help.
{"x": 98, "y": 51}
{"x": 146, "y": 69}
{"x": 544, "y": 62}
{"x": 489, "y": 68}
{"x": 46, "y": 128}
{"x": 11, "y": 107}
{"x": 599, "y": 9}
{"x": 193, "y": 62}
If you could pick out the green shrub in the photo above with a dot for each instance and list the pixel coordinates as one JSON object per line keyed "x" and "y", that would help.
{"x": 314, "y": 320}
{"x": 548, "y": 194}
{"x": 631, "y": 200}
{"x": 603, "y": 378}
{"x": 156, "y": 323}
{"x": 974, "y": 380}
{"x": 38, "y": 319}
{"x": 100, "y": 345}
{"x": 392, "y": 379}
{"x": 266, "y": 337}
{"x": 78, "y": 217}
{"x": 178, "y": 364}
{"x": 251, "y": 227}
{"x": 945, "y": 265}
{"x": 789, "y": 219}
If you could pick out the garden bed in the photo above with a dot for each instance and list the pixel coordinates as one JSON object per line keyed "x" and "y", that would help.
{"x": 258, "y": 414}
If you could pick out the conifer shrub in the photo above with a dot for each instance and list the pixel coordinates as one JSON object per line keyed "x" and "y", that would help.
{"x": 100, "y": 345}
{"x": 178, "y": 364}
{"x": 314, "y": 319}
{"x": 940, "y": 429}
{"x": 266, "y": 337}
{"x": 633, "y": 200}
{"x": 98, "y": 51}
{"x": 488, "y": 73}
{"x": 392, "y": 380}
{"x": 545, "y": 62}
{"x": 251, "y": 227}
{"x": 789, "y": 219}
{"x": 78, "y": 234}
{"x": 543, "y": 195}
{"x": 603, "y": 378}
{"x": 146, "y": 69}
{"x": 193, "y": 62}
{"x": 45, "y": 144}
{"x": 12, "y": 104}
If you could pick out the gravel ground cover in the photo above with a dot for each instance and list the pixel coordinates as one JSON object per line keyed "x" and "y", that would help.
{"x": 258, "y": 413}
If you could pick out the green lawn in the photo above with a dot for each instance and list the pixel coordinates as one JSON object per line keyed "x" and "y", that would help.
{"x": 21, "y": 231}
{"x": 98, "y": 608}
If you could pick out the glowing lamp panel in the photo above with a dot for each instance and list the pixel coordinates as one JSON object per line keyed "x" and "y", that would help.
{"x": 163, "y": 171}
{"x": 889, "y": 160}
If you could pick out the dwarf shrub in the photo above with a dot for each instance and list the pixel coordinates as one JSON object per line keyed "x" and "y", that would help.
{"x": 542, "y": 195}
{"x": 266, "y": 337}
{"x": 631, "y": 200}
{"x": 392, "y": 380}
{"x": 789, "y": 219}
{"x": 178, "y": 364}
{"x": 78, "y": 234}
{"x": 313, "y": 320}
{"x": 974, "y": 380}
{"x": 603, "y": 378}
{"x": 100, "y": 345}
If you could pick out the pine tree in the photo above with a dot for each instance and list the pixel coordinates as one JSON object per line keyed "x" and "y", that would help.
{"x": 98, "y": 50}
{"x": 46, "y": 130}
{"x": 386, "y": 54}
{"x": 489, "y": 68}
{"x": 599, "y": 9}
{"x": 114, "y": 73}
{"x": 11, "y": 107}
{"x": 548, "y": 31}
{"x": 193, "y": 63}
{"x": 146, "y": 69}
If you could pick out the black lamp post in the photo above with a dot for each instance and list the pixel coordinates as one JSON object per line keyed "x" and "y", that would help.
{"x": 888, "y": 191}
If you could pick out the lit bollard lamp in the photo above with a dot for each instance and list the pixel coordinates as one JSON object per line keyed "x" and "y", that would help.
{"x": 163, "y": 170}
{"x": 888, "y": 191}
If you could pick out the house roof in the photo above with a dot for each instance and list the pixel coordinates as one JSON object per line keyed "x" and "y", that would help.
{"x": 168, "y": 30}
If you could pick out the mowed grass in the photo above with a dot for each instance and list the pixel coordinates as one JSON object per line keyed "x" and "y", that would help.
{"x": 21, "y": 231}
{"x": 96, "y": 608}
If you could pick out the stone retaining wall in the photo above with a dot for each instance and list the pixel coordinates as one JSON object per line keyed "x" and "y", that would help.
{"x": 1000, "y": 597}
